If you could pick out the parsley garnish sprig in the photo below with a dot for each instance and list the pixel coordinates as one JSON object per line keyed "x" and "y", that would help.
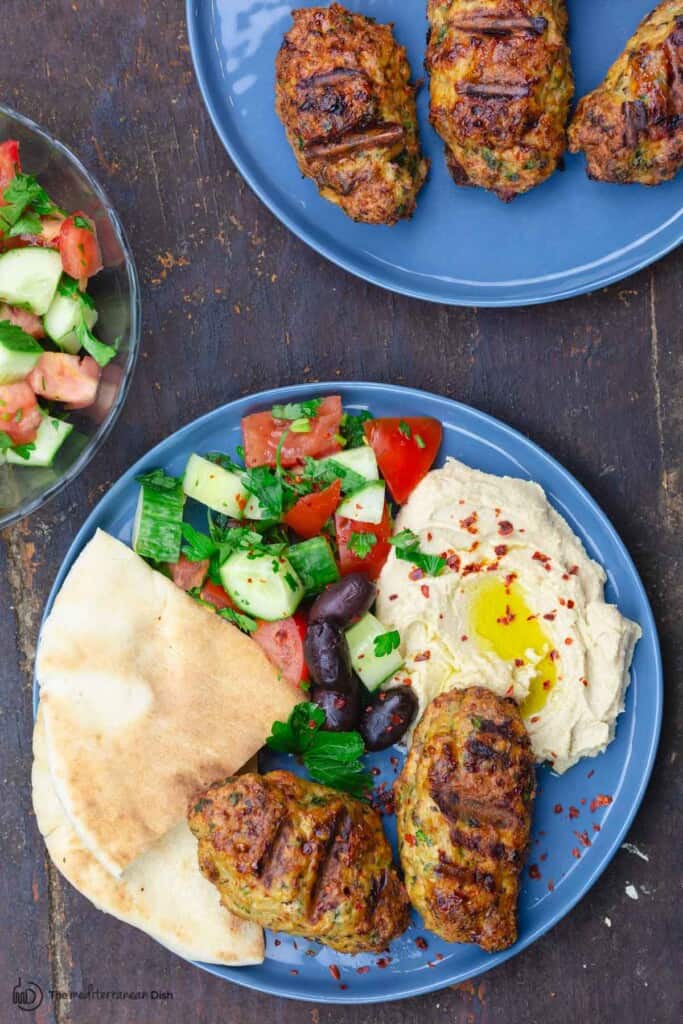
{"x": 331, "y": 758}
{"x": 99, "y": 350}
{"x": 407, "y": 545}
{"x": 25, "y": 203}
{"x": 7, "y": 444}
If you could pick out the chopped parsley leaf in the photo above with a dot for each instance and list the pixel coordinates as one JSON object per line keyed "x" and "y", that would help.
{"x": 385, "y": 643}
{"x": 407, "y": 546}
{"x": 361, "y": 544}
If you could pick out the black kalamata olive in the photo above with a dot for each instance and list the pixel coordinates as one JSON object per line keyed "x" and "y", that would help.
{"x": 344, "y": 601}
{"x": 327, "y": 656}
{"x": 386, "y": 718}
{"x": 342, "y": 710}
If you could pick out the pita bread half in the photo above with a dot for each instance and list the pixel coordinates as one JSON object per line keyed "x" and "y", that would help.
{"x": 147, "y": 698}
{"x": 163, "y": 892}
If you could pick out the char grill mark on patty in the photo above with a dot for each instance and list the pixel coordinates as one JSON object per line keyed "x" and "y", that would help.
{"x": 494, "y": 90}
{"x": 484, "y": 23}
{"x": 380, "y": 135}
{"x": 325, "y": 893}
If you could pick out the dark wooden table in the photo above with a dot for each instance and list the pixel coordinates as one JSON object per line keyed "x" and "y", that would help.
{"x": 234, "y": 303}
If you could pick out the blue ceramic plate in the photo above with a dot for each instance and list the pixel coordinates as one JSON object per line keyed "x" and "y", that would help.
{"x": 569, "y": 852}
{"x": 463, "y": 246}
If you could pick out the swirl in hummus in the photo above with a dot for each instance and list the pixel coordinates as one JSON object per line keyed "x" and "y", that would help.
{"x": 519, "y": 609}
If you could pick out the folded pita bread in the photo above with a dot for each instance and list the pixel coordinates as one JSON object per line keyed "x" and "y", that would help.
{"x": 147, "y": 698}
{"x": 163, "y": 892}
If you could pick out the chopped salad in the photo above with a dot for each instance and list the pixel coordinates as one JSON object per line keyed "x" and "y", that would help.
{"x": 298, "y": 528}
{"x": 50, "y": 360}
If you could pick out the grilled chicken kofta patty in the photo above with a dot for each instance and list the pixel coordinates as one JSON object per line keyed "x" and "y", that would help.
{"x": 300, "y": 858}
{"x": 631, "y": 126}
{"x": 463, "y": 804}
{"x": 343, "y": 93}
{"x": 501, "y": 84}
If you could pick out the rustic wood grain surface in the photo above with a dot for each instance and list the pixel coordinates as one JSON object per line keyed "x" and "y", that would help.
{"x": 234, "y": 303}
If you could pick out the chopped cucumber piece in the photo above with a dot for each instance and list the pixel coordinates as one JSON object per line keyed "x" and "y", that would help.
{"x": 52, "y": 433}
{"x": 360, "y": 461}
{"x": 372, "y": 669}
{"x": 19, "y": 353}
{"x": 29, "y": 278}
{"x": 264, "y": 586}
{"x": 314, "y": 564}
{"x": 254, "y": 509}
{"x": 365, "y": 505}
{"x": 62, "y": 318}
{"x": 214, "y": 486}
{"x": 157, "y": 531}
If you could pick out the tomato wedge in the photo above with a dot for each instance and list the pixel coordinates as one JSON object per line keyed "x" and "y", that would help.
{"x": 29, "y": 322}
{"x": 19, "y": 413}
{"x": 350, "y": 560}
{"x": 214, "y": 594}
{"x": 79, "y": 248}
{"x": 311, "y": 512}
{"x": 262, "y": 434}
{"x": 186, "y": 574}
{"x": 405, "y": 450}
{"x": 10, "y": 164}
{"x": 65, "y": 378}
{"x": 283, "y": 644}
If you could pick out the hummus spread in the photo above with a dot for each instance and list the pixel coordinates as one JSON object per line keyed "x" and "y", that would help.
{"x": 519, "y": 608}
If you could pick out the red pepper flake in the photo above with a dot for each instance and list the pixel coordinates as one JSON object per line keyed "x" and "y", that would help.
{"x": 558, "y": 808}
{"x": 439, "y": 956}
{"x": 424, "y": 590}
{"x": 312, "y": 724}
{"x": 550, "y": 616}
{"x": 393, "y": 761}
{"x": 551, "y": 886}
{"x": 410, "y": 839}
{"x": 568, "y": 641}
{"x": 407, "y": 682}
{"x": 596, "y": 828}
{"x": 416, "y": 574}
{"x": 420, "y": 942}
{"x": 469, "y": 524}
{"x": 562, "y": 601}
{"x": 362, "y": 970}
{"x": 544, "y": 856}
{"x": 393, "y": 597}
{"x": 375, "y": 771}
{"x": 600, "y": 801}
{"x": 505, "y": 527}
{"x": 575, "y": 853}
{"x": 574, "y": 571}
{"x": 570, "y": 603}
{"x": 508, "y": 618}
{"x": 535, "y": 718}
{"x": 583, "y": 838}
{"x": 424, "y": 656}
{"x": 554, "y": 655}
{"x": 519, "y": 662}
{"x": 510, "y": 690}
{"x": 573, "y": 812}
{"x": 531, "y": 618}
{"x": 429, "y": 536}
{"x": 464, "y": 638}
{"x": 538, "y": 556}
{"x": 546, "y": 684}
{"x": 591, "y": 773}
{"x": 510, "y": 579}
{"x": 472, "y": 567}
{"x": 501, "y": 550}
{"x": 383, "y": 961}
{"x": 534, "y": 871}
{"x": 584, "y": 682}
{"x": 565, "y": 576}
{"x": 343, "y": 987}
{"x": 334, "y": 971}
{"x": 293, "y": 971}
{"x": 582, "y": 801}
{"x": 453, "y": 562}
{"x": 277, "y": 942}
{"x": 473, "y": 546}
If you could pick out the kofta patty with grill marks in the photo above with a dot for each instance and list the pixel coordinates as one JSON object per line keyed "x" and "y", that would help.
{"x": 463, "y": 804}
{"x": 500, "y": 85}
{"x": 631, "y": 126}
{"x": 343, "y": 93}
{"x": 300, "y": 858}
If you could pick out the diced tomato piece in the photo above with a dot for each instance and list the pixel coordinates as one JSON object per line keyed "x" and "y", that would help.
{"x": 311, "y": 512}
{"x": 262, "y": 433}
{"x": 79, "y": 248}
{"x": 186, "y": 574}
{"x": 214, "y": 594}
{"x": 66, "y": 378}
{"x": 29, "y": 322}
{"x": 372, "y": 564}
{"x": 10, "y": 164}
{"x": 283, "y": 644}
{"x": 405, "y": 450}
{"x": 19, "y": 413}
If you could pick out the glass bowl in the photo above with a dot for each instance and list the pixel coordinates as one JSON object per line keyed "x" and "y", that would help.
{"x": 116, "y": 293}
